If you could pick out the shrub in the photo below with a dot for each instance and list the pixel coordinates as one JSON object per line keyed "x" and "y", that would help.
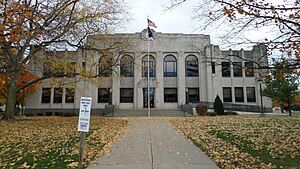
{"x": 218, "y": 106}
{"x": 201, "y": 109}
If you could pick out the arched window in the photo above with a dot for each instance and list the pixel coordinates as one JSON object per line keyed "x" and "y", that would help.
{"x": 191, "y": 66}
{"x": 105, "y": 66}
{"x": 170, "y": 66}
{"x": 126, "y": 66}
{"x": 151, "y": 66}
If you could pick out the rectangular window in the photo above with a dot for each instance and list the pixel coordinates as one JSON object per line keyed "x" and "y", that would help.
{"x": 170, "y": 95}
{"x": 191, "y": 68}
{"x": 69, "y": 96}
{"x": 213, "y": 67}
{"x": 103, "y": 95}
{"x": 58, "y": 95}
{"x": 251, "y": 94}
{"x": 46, "y": 95}
{"x": 237, "y": 69}
{"x": 193, "y": 95}
{"x": 151, "y": 69}
{"x": 170, "y": 69}
{"x": 249, "y": 71}
{"x": 227, "y": 96}
{"x": 126, "y": 95}
{"x": 225, "y": 69}
{"x": 239, "y": 94}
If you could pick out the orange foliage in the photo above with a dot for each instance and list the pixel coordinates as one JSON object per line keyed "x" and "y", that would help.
{"x": 24, "y": 78}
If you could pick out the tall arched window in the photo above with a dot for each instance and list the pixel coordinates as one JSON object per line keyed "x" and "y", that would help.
{"x": 151, "y": 66}
{"x": 126, "y": 66}
{"x": 170, "y": 66}
{"x": 105, "y": 66}
{"x": 191, "y": 66}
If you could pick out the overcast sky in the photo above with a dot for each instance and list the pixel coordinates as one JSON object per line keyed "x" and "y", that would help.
{"x": 178, "y": 20}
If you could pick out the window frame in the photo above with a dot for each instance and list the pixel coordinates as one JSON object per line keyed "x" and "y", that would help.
{"x": 229, "y": 99}
{"x": 192, "y": 61}
{"x": 251, "y": 100}
{"x": 127, "y": 99}
{"x": 173, "y": 99}
{"x": 152, "y": 66}
{"x": 237, "y": 69}
{"x": 127, "y": 68}
{"x": 44, "y": 99}
{"x": 213, "y": 67}
{"x": 241, "y": 98}
{"x": 58, "y": 94}
{"x": 249, "y": 65}
{"x": 102, "y": 70}
{"x": 227, "y": 72}
{"x": 105, "y": 99}
{"x": 173, "y": 61}
{"x": 197, "y": 95}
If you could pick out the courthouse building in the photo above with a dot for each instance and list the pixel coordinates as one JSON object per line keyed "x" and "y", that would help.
{"x": 184, "y": 69}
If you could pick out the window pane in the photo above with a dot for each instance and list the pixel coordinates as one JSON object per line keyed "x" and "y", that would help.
{"x": 227, "y": 97}
{"x": 239, "y": 94}
{"x": 170, "y": 94}
{"x": 103, "y": 95}
{"x": 127, "y": 66}
{"x": 170, "y": 66}
{"x": 126, "y": 95}
{"x": 69, "y": 97}
{"x": 213, "y": 67}
{"x": 46, "y": 94}
{"x": 151, "y": 66}
{"x": 251, "y": 94}
{"x": 193, "y": 95}
{"x": 237, "y": 69}
{"x": 105, "y": 66}
{"x": 57, "y": 95}
{"x": 191, "y": 66}
{"x": 225, "y": 69}
{"x": 249, "y": 71}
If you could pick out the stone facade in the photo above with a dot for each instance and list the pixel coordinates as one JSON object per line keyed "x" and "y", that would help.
{"x": 208, "y": 84}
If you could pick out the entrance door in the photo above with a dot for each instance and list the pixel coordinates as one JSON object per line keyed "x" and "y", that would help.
{"x": 152, "y": 94}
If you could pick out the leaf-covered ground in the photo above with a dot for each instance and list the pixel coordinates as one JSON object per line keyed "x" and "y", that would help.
{"x": 244, "y": 141}
{"x": 53, "y": 142}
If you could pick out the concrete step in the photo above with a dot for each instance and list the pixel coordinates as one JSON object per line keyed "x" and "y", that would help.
{"x": 144, "y": 112}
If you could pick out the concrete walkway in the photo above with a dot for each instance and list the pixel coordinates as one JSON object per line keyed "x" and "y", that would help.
{"x": 153, "y": 144}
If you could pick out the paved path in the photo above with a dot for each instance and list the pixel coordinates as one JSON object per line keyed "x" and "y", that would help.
{"x": 153, "y": 144}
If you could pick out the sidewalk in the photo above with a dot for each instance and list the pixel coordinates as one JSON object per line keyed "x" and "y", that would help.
{"x": 153, "y": 144}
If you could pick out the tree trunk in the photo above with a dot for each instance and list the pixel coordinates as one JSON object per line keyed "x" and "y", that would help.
{"x": 289, "y": 109}
{"x": 10, "y": 102}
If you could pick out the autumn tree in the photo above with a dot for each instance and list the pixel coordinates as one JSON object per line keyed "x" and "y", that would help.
{"x": 21, "y": 94}
{"x": 28, "y": 27}
{"x": 281, "y": 85}
{"x": 281, "y": 18}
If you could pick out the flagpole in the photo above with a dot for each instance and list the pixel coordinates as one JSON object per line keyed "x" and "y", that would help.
{"x": 148, "y": 80}
{"x": 148, "y": 73}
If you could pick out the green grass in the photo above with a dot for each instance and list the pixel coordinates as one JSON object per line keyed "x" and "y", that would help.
{"x": 263, "y": 154}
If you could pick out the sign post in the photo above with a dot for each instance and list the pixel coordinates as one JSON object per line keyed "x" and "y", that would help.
{"x": 83, "y": 123}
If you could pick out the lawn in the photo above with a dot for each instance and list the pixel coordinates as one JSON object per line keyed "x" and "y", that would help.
{"x": 53, "y": 142}
{"x": 245, "y": 141}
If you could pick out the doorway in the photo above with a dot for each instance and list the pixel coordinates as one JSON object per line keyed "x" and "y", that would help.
{"x": 145, "y": 96}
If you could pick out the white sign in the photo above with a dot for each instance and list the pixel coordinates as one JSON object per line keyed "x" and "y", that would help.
{"x": 84, "y": 114}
